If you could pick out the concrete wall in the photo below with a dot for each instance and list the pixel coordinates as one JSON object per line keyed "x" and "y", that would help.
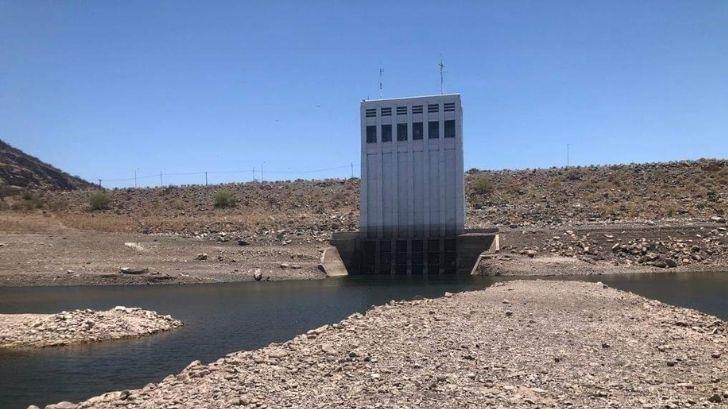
{"x": 412, "y": 188}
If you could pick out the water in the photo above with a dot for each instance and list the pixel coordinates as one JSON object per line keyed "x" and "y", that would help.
{"x": 223, "y": 318}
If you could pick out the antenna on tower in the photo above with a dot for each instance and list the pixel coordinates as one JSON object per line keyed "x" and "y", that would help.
{"x": 381, "y": 71}
{"x": 442, "y": 71}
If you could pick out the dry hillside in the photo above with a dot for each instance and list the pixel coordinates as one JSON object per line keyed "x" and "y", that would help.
{"x": 688, "y": 190}
{"x": 19, "y": 170}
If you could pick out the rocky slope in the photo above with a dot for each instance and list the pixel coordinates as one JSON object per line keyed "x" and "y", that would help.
{"x": 295, "y": 210}
{"x": 520, "y": 344}
{"x": 18, "y": 170}
{"x": 635, "y": 192}
{"x": 80, "y": 326}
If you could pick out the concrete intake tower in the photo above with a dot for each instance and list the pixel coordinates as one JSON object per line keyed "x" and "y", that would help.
{"x": 412, "y": 202}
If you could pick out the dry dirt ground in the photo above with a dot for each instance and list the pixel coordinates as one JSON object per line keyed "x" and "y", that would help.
{"x": 56, "y": 255}
{"x": 80, "y": 326}
{"x": 519, "y": 344}
{"x": 38, "y": 249}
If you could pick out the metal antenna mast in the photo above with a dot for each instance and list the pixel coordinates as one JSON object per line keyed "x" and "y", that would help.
{"x": 381, "y": 71}
{"x": 567, "y": 154}
{"x": 442, "y": 70}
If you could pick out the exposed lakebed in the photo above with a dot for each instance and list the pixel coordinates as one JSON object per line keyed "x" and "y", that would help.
{"x": 223, "y": 318}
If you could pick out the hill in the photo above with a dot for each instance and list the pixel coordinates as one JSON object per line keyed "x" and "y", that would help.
{"x": 19, "y": 170}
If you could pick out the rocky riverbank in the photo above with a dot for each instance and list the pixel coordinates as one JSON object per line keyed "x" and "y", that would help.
{"x": 593, "y": 248}
{"x": 520, "y": 344}
{"x": 80, "y": 326}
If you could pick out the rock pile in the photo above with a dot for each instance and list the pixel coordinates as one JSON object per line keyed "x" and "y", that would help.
{"x": 521, "y": 344}
{"x": 665, "y": 248}
{"x": 80, "y": 326}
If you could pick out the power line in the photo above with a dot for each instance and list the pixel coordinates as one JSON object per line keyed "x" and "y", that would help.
{"x": 136, "y": 178}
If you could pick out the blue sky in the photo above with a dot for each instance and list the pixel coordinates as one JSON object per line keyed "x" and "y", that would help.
{"x": 102, "y": 88}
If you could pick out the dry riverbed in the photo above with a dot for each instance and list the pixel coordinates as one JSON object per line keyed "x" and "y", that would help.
{"x": 521, "y": 344}
{"x": 80, "y": 326}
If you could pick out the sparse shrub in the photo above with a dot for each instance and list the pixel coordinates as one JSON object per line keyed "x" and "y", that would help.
{"x": 29, "y": 201}
{"x": 573, "y": 175}
{"x": 482, "y": 185}
{"x": 99, "y": 201}
{"x": 224, "y": 198}
{"x": 58, "y": 204}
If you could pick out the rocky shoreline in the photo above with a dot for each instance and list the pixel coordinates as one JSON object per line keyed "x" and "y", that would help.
{"x": 518, "y": 344}
{"x": 19, "y": 331}
{"x": 73, "y": 257}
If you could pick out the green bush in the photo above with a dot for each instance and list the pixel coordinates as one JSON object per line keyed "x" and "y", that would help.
{"x": 99, "y": 201}
{"x": 482, "y": 185}
{"x": 224, "y": 198}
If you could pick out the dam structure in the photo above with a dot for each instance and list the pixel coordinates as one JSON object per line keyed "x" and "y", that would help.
{"x": 412, "y": 194}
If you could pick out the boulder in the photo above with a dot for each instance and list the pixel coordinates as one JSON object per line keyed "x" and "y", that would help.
{"x": 133, "y": 270}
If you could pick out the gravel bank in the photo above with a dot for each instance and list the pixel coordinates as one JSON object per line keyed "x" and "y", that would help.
{"x": 80, "y": 326}
{"x": 518, "y": 344}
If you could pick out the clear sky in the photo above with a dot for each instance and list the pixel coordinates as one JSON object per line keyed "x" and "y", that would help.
{"x": 102, "y": 88}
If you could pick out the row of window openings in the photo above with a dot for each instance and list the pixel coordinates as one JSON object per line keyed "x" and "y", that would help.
{"x": 433, "y": 128}
{"x": 416, "y": 109}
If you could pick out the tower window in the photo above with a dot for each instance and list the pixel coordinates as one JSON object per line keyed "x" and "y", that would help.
{"x": 401, "y": 110}
{"x": 386, "y": 111}
{"x": 386, "y": 133}
{"x": 433, "y": 108}
{"x": 417, "y": 131}
{"x": 371, "y": 134}
{"x": 416, "y": 109}
{"x": 371, "y": 112}
{"x": 450, "y": 128}
{"x": 449, "y": 107}
{"x": 433, "y": 129}
{"x": 401, "y": 132}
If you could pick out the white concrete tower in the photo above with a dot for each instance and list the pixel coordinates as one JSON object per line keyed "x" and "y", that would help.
{"x": 412, "y": 167}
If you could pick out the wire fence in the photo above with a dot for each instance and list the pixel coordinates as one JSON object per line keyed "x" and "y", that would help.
{"x": 209, "y": 177}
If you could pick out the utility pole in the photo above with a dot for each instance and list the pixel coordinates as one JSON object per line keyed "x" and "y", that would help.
{"x": 100, "y": 184}
{"x": 205, "y": 178}
{"x": 253, "y": 173}
{"x": 135, "y": 178}
{"x": 352, "y": 169}
{"x": 442, "y": 70}
{"x": 261, "y": 171}
{"x": 161, "y": 183}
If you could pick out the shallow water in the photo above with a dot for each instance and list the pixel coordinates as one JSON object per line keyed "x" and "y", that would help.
{"x": 222, "y": 318}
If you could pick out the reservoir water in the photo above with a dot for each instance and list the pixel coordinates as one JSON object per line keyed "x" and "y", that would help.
{"x": 222, "y": 318}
